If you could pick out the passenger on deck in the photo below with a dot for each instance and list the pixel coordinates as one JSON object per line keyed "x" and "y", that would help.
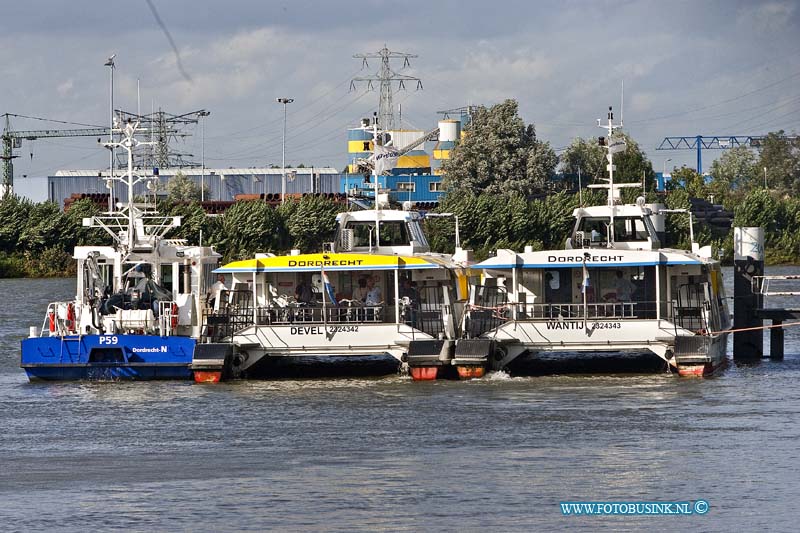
{"x": 374, "y": 295}
{"x": 549, "y": 291}
{"x": 407, "y": 290}
{"x": 303, "y": 293}
{"x": 216, "y": 290}
{"x": 360, "y": 294}
{"x": 624, "y": 288}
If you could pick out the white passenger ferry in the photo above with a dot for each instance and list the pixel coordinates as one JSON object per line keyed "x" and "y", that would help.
{"x": 613, "y": 289}
{"x": 376, "y": 290}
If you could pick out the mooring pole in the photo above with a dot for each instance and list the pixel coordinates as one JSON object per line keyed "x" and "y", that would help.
{"x": 748, "y": 250}
{"x": 776, "y": 341}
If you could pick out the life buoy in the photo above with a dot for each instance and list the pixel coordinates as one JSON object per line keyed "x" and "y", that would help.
{"x": 70, "y": 317}
{"x": 173, "y": 321}
{"x": 51, "y": 316}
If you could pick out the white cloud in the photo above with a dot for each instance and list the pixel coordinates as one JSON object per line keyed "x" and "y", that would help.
{"x": 642, "y": 102}
{"x": 65, "y": 88}
{"x": 768, "y": 16}
{"x": 562, "y": 61}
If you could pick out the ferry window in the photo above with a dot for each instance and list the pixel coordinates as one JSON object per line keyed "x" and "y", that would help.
{"x": 552, "y": 279}
{"x": 435, "y": 186}
{"x": 106, "y": 273}
{"x": 595, "y": 228}
{"x": 208, "y": 277}
{"x": 416, "y": 234}
{"x": 182, "y": 289}
{"x": 629, "y": 229}
{"x": 394, "y": 234}
{"x": 409, "y": 186}
{"x": 166, "y": 277}
{"x": 363, "y": 233}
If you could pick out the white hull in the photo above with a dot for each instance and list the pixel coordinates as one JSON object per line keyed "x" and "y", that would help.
{"x": 335, "y": 340}
{"x": 655, "y": 336}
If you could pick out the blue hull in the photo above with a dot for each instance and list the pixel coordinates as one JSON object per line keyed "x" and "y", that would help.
{"x": 107, "y": 357}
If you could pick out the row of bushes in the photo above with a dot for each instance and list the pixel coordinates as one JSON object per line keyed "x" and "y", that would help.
{"x": 36, "y": 240}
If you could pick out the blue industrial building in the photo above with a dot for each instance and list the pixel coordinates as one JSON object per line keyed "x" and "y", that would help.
{"x": 402, "y": 188}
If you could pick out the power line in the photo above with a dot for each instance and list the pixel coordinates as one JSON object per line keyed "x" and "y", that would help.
{"x": 296, "y": 112}
{"x": 717, "y": 104}
{"x": 261, "y": 148}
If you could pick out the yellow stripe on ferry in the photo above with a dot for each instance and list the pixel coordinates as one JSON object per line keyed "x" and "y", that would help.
{"x": 331, "y": 261}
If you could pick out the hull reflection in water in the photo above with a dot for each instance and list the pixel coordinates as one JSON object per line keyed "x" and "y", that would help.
{"x": 621, "y": 362}
{"x": 321, "y": 367}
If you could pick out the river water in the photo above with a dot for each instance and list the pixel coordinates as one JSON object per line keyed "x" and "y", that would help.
{"x": 369, "y": 453}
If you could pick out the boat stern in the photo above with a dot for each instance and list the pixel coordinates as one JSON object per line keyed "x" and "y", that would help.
{"x": 697, "y": 355}
{"x": 210, "y": 360}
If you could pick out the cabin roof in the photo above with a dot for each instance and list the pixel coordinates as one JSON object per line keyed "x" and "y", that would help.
{"x": 331, "y": 262}
{"x": 597, "y": 257}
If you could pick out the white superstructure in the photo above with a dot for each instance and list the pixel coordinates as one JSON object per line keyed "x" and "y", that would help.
{"x": 614, "y": 288}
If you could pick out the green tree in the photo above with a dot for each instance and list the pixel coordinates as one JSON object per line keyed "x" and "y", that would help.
{"x": 13, "y": 216}
{"x": 633, "y": 164}
{"x": 735, "y": 169}
{"x": 499, "y": 154}
{"x": 85, "y": 236}
{"x": 250, "y": 227}
{"x": 586, "y": 155}
{"x": 690, "y": 181}
{"x": 46, "y": 226}
{"x": 781, "y": 157}
{"x": 311, "y": 221}
{"x": 180, "y": 188}
{"x": 758, "y": 208}
{"x": 490, "y": 221}
{"x": 677, "y": 225}
{"x": 194, "y": 221}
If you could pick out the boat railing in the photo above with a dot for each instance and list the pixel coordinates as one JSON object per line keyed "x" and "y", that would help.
{"x": 481, "y": 319}
{"x": 609, "y": 310}
{"x": 776, "y": 285}
{"x": 61, "y": 318}
{"x": 229, "y": 319}
{"x": 345, "y": 312}
{"x": 167, "y": 317}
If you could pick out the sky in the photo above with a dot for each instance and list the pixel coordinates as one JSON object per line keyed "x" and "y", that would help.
{"x": 689, "y": 67}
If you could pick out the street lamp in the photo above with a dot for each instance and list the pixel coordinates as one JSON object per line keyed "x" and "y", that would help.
{"x": 664, "y": 173}
{"x": 202, "y": 114}
{"x": 110, "y": 64}
{"x": 765, "y": 177}
{"x": 284, "y": 101}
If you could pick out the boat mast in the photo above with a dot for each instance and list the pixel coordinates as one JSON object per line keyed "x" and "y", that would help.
{"x": 375, "y": 178}
{"x": 125, "y": 223}
{"x": 612, "y": 146}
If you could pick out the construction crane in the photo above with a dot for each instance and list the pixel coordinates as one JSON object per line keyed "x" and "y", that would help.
{"x": 13, "y": 139}
{"x": 163, "y": 125}
{"x": 711, "y": 142}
